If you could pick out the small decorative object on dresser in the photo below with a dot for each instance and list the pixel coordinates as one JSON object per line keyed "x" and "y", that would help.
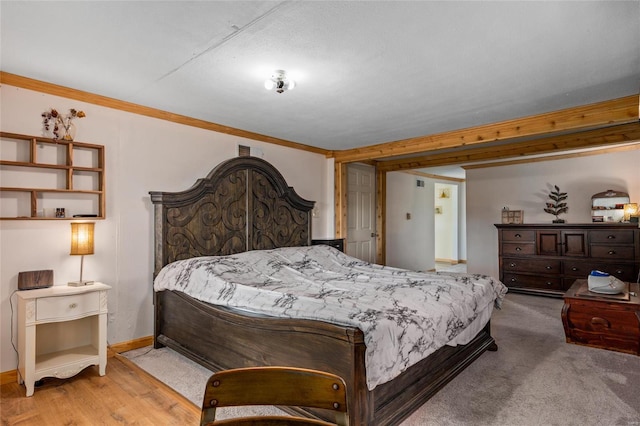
{"x": 61, "y": 331}
{"x": 630, "y": 209}
{"x": 602, "y": 321}
{"x": 558, "y": 206}
{"x": 512, "y": 216}
{"x": 609, "y": 206}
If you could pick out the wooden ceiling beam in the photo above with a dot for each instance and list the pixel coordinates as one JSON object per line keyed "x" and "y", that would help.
{"x": 601, "y": 114}
{"x": 586, "y": 139}
{"x": 634, "y": 146}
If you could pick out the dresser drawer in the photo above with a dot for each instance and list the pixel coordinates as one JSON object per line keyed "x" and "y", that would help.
{"x": 608, "y": 341}
{"x": 612, "y": 252}
{"x": 518, "y": 235}
{"x": 611, "y": 236}
{"x": 61, "y": 308}
{"x": 548, "y": 266}
{"x": 518, "y": 248}
{"x": 590, "y": 318}
{"x": 532, "y": 281}
{"x": 578, "y": 269}
{"x": 624, "y": 272}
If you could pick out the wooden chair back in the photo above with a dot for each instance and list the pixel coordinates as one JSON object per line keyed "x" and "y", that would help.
{"x": 280, "y": 386}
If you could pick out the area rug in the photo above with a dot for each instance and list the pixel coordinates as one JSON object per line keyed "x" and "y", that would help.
{"x": 535, "y": 377}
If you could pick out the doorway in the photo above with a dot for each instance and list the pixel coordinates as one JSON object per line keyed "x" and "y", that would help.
{"x": 446, "y": 220}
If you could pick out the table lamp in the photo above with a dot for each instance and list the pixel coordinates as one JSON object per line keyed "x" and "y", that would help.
{"x": 630, "y": 209}
{"x": 81, "y": 244}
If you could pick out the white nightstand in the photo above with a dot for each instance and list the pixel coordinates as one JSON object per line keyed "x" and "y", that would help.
{"x": 61, "y": 331}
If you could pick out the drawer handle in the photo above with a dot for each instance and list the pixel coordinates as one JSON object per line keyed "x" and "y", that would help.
{"x": 548, "y": 267}
{"x": 549, "y": 283}
{"x": 512, "y": 265}
{"x": 600, "y": 321}
{"x": 513, "y": 280}
{"x": 574, "y": 269}
{"x": 518, "y": 236}
{"x": 611, "y": 237}
{"x": 518, "y": 249}
{"x": 618, "y": 272}
{"x": 73, "y": 306}
{"x": 612, "y": 252}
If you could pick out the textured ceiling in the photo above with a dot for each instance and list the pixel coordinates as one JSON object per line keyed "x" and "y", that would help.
{"x": 367, "y": 72}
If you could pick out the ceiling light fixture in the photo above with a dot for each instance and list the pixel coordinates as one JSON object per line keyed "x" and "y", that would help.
{"x": 279, "y": 82}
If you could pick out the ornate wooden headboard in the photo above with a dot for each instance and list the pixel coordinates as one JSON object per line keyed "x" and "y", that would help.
{"x": 243, "y": 204}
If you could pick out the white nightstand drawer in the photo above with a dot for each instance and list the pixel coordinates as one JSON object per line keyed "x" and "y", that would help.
{"x": 67, "y": 307}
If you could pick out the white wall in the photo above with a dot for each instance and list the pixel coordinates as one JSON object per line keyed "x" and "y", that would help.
{"x": 409, "y": 242}
{"x": 526, "y": 187}
{"x": 142, "y": 154}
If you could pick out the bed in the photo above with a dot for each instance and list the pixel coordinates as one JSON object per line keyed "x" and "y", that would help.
{"x": 245, "y": 208}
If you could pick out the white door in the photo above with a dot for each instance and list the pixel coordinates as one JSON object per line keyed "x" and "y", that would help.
{"x": 361, "y": 212}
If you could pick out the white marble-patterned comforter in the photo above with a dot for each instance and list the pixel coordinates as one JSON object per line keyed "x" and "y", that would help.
{"x": 404, "y": 315}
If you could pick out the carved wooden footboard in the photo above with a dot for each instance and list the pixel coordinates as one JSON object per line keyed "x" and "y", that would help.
{"x": 220, "y": 338}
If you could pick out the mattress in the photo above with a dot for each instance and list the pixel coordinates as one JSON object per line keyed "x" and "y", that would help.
{"x": 404, "y": 315}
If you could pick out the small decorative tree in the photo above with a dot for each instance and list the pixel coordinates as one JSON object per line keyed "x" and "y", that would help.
{"x": 558, "y": 206}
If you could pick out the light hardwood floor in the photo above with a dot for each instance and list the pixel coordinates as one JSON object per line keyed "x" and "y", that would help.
{"x": 126, "y": 395}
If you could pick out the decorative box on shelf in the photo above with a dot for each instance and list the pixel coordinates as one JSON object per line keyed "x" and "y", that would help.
{"x": 512, "y": 216}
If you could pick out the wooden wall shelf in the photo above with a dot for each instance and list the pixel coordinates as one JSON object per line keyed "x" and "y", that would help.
{"x": 39, "y": 175}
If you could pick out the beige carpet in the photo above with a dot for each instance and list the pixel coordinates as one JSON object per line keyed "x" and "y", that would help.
{"x": 535, "y": 377}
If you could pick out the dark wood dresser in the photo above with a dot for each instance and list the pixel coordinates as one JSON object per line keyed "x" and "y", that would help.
{"x": 546, "y": 259}
{"x": 602, "y": 321}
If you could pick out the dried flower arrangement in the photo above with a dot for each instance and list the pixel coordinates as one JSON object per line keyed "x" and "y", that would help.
{"x": 53, "y": 117}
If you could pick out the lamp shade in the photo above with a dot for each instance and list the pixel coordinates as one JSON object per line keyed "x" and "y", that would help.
{"x": 82, "y": 238}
